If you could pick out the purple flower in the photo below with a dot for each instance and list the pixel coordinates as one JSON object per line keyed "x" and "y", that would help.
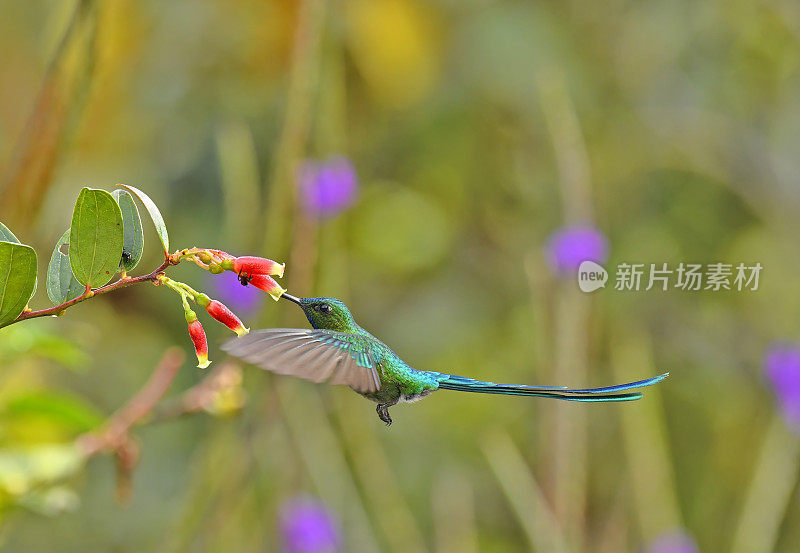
{"x": 782, "y": 366}
{"x": 673, "y": 542}
{"x": 327, "y": 187}
{"x": 244, "y": 300}
{"x": 308, "y": 526}
{"x": 568, "y": 246}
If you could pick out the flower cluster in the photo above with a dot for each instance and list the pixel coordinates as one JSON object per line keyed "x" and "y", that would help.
{"x": 782, "y": 368}
{"x": 327, "y": 187}
{"x": 308, "y": 526}
{"x": 257, "y": 271}
{"x": 568, "y": 246}
{"x": 244, "y": 300}
{"x": 673, "y": 542}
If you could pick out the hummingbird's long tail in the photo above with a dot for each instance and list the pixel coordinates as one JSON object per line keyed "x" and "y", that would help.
{"x": 608, "y": 393}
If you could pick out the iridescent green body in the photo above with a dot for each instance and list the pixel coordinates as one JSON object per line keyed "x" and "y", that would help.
{"x": 399, "y": 380}
{"x": 339, "y": 351}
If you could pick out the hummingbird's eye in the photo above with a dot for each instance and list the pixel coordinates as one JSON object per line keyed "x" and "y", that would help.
{"x": 324, "y": 308}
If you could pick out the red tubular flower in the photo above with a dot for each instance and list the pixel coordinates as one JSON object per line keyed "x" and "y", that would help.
{"x": 268, "y": 285}
{"x": 251, "y": 266}
{"x": 198, "y": 336}
{"x": 224, "y": 315}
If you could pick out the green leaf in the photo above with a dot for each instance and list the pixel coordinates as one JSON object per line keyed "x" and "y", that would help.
{"x": 155, "y": 214}
{"x": 7, "y": 236}
{"x": 20, "y": 341}
{"x": 17, "y": 279}
{"x": 95, "y": 239}
{"x": 133, "y": 238}
{"x": 61, "y": 283}
{"x": 66, "y": 411}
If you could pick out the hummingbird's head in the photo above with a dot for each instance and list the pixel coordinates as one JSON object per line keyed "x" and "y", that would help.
{"x": 326, "y": 313}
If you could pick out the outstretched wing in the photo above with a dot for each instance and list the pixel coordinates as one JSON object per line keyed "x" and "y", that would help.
{"x": 315, "y": 355}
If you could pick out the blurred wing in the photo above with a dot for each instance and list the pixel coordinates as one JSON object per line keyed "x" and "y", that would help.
{"x": 315, "y": 355}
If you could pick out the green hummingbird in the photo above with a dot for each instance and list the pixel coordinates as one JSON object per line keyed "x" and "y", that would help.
{"x": 339, "y": 351}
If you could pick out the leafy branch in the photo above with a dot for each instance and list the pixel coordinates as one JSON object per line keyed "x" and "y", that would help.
{"x": 89, "y": 293}
{"x": 106, "y": 238}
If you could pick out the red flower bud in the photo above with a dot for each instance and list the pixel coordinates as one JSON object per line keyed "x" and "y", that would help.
{"x": 198, "y": 336}
{"x": 268, "y": 285}
{"x": 224, "y": 315}
{"x": 251, "y": 266}
{"x": 222, "y": 255}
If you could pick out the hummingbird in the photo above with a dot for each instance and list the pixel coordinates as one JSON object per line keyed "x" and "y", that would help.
{"x": 338, "y": 351}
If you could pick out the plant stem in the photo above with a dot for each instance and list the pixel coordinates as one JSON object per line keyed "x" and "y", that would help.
{"x": 292, "y": 144}
{"x": 572, "y": 309}
{"x": 542, "y": 529}
{"x": 122, "y": 283}
{"x": 646, "y": 442}
{"x": 116, "y": 430}
{"x": 769, "y": 493}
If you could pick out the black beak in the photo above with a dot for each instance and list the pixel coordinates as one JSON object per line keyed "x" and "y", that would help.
{"x": 291, "y": 298}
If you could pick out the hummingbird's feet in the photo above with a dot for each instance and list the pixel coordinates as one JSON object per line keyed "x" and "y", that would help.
{"x": 383, "y": 413}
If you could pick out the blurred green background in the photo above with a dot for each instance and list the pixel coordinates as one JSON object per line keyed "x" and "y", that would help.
{"x": 477, "y": 128}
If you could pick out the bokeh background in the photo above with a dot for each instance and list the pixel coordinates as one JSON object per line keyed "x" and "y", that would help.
{"x": 420, "y": 160}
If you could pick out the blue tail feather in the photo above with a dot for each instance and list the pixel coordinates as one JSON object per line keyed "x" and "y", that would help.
{"x": 609, "y": 393}
{"x": 621, "y": 387}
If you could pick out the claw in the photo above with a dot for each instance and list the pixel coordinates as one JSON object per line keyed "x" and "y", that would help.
{"x": 383, "y": 414}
